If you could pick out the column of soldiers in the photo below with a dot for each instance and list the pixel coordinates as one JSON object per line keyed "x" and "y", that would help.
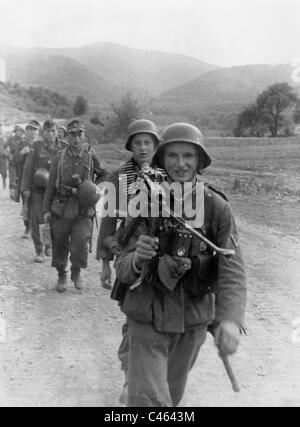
{"x": 171, "y": 291}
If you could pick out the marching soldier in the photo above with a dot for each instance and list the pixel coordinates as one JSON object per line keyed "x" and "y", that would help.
{"x": 3, "y": 159}
{"x": 69, "y": 205}
{"x": 142, "y": 141}
{"x": 173, "y": 287}
{"x": 12, "y": 146}
{"x": 62, "y": 137}
{"x": 34, "y": 182}
{"x": 32, "y": 131}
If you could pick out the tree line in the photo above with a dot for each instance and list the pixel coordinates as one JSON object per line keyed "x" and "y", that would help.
{"x": 274, "y": 112}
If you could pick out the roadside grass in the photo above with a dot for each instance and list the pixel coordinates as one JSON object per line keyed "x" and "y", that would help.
{"x": 247, "y": 166}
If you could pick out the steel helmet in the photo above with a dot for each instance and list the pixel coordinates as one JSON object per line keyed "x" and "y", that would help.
{"x": 183, "y": 132}
{"x": 141, "y": 126}
{"x": 41, "y": 178}
{"x": 88, "y": 194}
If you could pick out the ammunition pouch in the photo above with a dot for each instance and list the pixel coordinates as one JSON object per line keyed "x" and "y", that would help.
{"x": 65, "y": 203}
{"x": 202, "y": 278}
{"x": 119, "y": 291}
{"x": 57, "y": 207}
{"x": 64, "y": 191}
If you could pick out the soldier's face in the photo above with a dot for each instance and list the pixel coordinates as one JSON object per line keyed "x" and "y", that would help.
{"x": 18, "y": 133}
{"x": 181, "y": 161}
{"x": 76, "y": 138}
{"x": 50, "y": 135}
{"x": 31, "y": 133}
{"x": 143, "y": 147}
{"x": 61, "y": 134}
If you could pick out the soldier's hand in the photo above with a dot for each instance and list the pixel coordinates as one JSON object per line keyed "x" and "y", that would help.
{"x": 111, "y": 243}
{"x": 25, "y": 150}
{"x": 227, "y": 337}
{"x": 105, "y": 276}
{"x": 47, "y": 217}
{"x": 178, "y": 266}
{"x": 146, "y": 248}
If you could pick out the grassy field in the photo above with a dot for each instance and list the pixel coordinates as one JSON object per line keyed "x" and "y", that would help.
{"x": 240, "y": 165}
{"x": 261, "y": 177}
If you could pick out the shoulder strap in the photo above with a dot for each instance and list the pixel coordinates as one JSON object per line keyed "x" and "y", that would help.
{"x": 215, "y": 190}
{"x": 59, "y": 177}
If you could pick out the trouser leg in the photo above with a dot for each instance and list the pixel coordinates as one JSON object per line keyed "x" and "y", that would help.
{"x": 182, "y": 356}
{"x": 124, "y": 349}
{"x": 37, "y": 219}
{"x": 12, "y": 172}
{"x": 147, "y": 366}
{"x": 3, "y": 180}
{"x": 79, "y": 240}
{"x": 60, "y": 236}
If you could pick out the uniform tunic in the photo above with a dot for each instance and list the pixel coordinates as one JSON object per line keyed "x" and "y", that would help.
{"x": 13, "y": 145}
{"x": 40, "y": 157}
{"x": 167, "y": 328}
{"x": 71, "y": 224}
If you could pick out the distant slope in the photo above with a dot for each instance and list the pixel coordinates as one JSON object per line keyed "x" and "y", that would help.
{"x": 145, "y": 71}
{"x": 16, "y": 101}
{"x": 220, "y": 94}
{"x": 103, "y": 71}
{"x": 59, "y": 73}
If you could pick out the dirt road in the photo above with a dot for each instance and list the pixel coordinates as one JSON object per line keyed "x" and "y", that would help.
{"x": 60, "y": 349}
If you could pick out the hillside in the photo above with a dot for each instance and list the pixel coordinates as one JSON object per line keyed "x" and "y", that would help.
{"x": 18, "y": 104}
{"x": 145, "y": 71}
{"x": 215, "y": 98}
{"x": 102, "y": 72}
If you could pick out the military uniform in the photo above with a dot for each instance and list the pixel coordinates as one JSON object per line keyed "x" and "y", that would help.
{"x": 40, "y": 157}
{"x": 23, "y": 151}
{"x": 161, "y": 320}
{"x": 71, "y": 224}
{"x": 107, "y": 234}
{"x": 107, "y": 245}
{"x": 3, "y": 162}
{"x": 170, "y": 308}
{"x": 13, "y": 146}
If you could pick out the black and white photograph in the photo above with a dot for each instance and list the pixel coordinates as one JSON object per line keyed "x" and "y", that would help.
{"x": 150, "y": 205}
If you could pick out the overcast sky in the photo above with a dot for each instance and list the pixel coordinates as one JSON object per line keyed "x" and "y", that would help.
{"x": 221, "y": 32}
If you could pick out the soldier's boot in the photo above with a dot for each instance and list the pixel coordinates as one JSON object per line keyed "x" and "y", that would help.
{"x": 39, "y": 257}
{"x": 48, "y": 251}
{"x": 77, "y": 279}
{"x": 62, "y": 280}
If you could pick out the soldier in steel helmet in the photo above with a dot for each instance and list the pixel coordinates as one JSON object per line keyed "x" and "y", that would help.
{"x": 34, "y": 182}
{"x": 69, "y": 205}
{"x": 186, "y": 284}
{"x": 142, "y": 140}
